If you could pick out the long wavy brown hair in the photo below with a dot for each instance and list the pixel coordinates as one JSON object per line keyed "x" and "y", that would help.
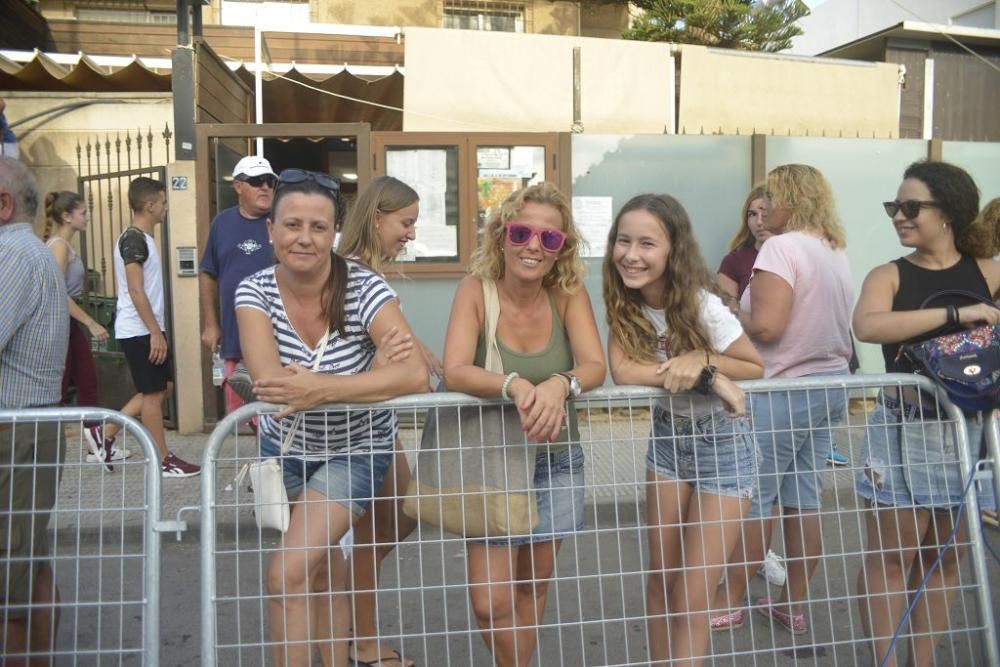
{"x": 685, "y": 279}
{"x": 487, "y": 259}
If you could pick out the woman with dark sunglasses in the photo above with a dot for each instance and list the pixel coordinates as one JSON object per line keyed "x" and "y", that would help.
{"x": 551, "y": 351}
{"x": 911, "y": 508}
{"x": 308, "y": 329}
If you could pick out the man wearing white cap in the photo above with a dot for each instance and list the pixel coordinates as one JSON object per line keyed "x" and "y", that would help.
{"x": 237, "y": 247}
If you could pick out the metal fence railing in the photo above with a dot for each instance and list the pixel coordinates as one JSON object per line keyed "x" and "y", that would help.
{"x": 443, "y": 598}
{"x": 79, "y": 541}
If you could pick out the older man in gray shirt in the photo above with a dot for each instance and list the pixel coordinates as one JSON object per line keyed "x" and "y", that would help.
{"x": 34, "y": 330}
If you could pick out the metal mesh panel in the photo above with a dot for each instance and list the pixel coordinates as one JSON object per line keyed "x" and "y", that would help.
{"x": 650, "y": 530}
{"x": 87, "y": 528}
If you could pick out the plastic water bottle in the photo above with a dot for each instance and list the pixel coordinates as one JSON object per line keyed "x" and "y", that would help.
{"x": 218, "y": 370}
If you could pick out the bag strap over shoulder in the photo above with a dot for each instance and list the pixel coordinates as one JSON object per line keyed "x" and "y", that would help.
{"x": 290, "y": 436}
{"x": 955, "y": 292}
{"x": 491, "y": 301}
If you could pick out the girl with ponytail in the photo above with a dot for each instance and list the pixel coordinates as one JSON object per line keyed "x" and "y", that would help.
{"x": 65, "y": 215}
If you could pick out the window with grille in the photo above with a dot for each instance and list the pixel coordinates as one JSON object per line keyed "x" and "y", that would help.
{"x": 126, "y": 16}
{"x": 471, "y": 15}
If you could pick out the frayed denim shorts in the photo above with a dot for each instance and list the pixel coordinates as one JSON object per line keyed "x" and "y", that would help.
{"x": 714, "y": 453}
{"x": 559, "y": 492}
{"x": 351, "y": 479}
{"x": 910, "y": 458}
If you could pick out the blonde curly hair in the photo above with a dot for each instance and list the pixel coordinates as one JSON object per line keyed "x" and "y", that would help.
{"x": 805, "y": 192}
{"x": 487, "y": 259}
{"x": 987, "y": 228}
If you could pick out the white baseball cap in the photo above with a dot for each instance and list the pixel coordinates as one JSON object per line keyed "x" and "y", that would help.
{"x": 252, "y": 165}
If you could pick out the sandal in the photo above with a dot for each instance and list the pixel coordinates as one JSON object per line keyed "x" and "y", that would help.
{"x": 393, "y": 658}
{"x": 730, "y": 621}
{"x": 794, "y": 623}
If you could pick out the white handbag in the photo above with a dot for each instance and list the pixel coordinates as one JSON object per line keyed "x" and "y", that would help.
{"x": 267, "y": 479}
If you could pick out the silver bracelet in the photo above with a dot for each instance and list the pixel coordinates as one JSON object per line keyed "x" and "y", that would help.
{"x": 506, "y": 385}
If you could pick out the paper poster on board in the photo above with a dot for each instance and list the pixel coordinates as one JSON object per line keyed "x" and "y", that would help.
{"x": 593, "y": 217}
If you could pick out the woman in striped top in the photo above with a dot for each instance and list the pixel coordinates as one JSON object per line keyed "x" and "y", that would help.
{"x": 315, "y": 310}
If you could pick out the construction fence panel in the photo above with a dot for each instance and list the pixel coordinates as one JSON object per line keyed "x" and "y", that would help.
{"x": 89, "y": 527}
{"x": 647, "y": 520}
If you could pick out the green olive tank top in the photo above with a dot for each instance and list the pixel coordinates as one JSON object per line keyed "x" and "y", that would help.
{"x": 535, "y": 367}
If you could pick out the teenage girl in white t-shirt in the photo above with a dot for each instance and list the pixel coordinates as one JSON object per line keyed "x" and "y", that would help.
{"x": 668, "y": 328}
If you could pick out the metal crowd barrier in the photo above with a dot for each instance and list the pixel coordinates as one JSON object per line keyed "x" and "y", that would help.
{"x": 596, "y": 611}
{"x": 103, "y": 548}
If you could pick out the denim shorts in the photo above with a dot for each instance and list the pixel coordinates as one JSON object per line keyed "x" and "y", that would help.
{"x": 351, "y": 479}
{"x": 713, "y": 453}
{"x": 914, "y": 458}
{"x": 559, "y": 492}
{"x": 794, "y": 432}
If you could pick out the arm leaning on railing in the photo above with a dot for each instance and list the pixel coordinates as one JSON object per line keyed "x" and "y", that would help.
{"x": 301, "y": 389}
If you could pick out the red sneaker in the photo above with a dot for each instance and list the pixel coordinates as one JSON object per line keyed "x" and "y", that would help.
{"x": 175, "y": 467}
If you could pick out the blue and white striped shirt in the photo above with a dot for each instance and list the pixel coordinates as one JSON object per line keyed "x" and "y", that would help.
{"x": 347, "y": 353}
{"x": 34, "y": 320}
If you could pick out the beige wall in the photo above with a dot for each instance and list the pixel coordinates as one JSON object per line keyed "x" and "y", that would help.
{"x": 559, "y": 17}
{"x": 378, "y": 12}
{"x": 184, "y": 297}
{"x": 552, "y": 18}
{"x": 733, "y": 91}
{"x": 48, "y": 145}
{"x": 49, "y": 148}
{"x": 600, "y": 20}
{"x": 498, "y": 85}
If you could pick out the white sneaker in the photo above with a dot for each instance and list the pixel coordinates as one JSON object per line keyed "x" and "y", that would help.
{"x": 116, "y": 455}
{"x": 772, "y": 569}
{"x": 101, "y": 448}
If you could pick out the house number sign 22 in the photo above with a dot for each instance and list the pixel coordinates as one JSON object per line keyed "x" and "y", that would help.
{"x": 178, "y": 182}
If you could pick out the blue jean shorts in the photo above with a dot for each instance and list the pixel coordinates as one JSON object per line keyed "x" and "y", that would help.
{"x": 794, "y": 432}
{"x": 351, "y": 479}
{"x": 713, "y": 453}
{"x": 559, "y": 492}
{"x": 913, "y": 458}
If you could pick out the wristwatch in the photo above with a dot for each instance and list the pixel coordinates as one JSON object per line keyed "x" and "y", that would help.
{"x": 574, "y": 384}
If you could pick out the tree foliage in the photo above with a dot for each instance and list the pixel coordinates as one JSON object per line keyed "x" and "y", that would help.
{"x": 734, "y": 24}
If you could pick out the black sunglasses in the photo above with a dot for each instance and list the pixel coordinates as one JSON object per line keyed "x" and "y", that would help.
{"x": 295, "y": 176}
{"x": 256, "y": 181}
{"x": 909, "y": 207}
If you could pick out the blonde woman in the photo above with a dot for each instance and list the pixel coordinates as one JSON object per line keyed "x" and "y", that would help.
{"x": 551, "y": 351}
{"x": 797, "y": 311}
{"x": 380, "y": 224}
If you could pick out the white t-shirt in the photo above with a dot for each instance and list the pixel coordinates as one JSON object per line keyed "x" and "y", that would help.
{"x": 135, "y": 245}
{"x": 347, "y": 353}
{"x": 817, "y": 338}
{"x": 723, "y": 329}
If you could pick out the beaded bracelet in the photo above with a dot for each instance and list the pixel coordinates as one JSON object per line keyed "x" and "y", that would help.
{"x": 506, "y": 385}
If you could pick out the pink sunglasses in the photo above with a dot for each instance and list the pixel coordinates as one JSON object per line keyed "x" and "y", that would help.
{"x": 552, "y": 240}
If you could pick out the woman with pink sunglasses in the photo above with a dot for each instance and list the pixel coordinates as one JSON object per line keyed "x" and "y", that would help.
{"x": 551, "y": 351}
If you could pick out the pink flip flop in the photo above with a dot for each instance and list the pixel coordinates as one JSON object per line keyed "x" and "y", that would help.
{"x": 730, "y": 621}
{"x": 794, "y": 623}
